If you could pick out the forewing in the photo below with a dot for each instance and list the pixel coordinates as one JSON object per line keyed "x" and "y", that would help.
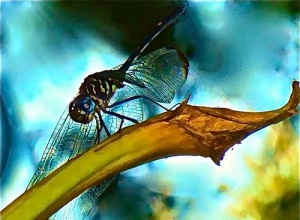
{"x": 65, "y": 142}
{"x": 68, "y": 140}
{"x": 159, "y": 74}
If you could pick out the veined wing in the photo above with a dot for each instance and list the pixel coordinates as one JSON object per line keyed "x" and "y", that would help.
{"x": 68, "y": 140}
{"x": 82, "y": 206}
{"x": 133, "y": 109}
{"x": 159, "y": 74}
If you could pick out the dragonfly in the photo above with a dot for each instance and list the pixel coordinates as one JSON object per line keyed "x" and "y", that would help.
{"x": 108, "y": 101}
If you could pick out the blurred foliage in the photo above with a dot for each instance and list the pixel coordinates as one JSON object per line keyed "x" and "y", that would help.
{"x": 134, "y": 19}
{"x": 161, "y": 211}
{"x": 128, "y": 199}
{"x": 292, "y": 7}
{"x": 274, "y": 191}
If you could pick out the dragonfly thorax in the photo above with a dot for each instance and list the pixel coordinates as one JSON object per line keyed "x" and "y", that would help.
{"x": 100, "y": 86}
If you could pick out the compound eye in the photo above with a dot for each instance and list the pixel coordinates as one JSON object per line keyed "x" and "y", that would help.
{"x": 82, "y": 109}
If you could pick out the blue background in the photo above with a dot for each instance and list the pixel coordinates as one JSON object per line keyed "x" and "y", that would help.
{"x": 243, "y": 56}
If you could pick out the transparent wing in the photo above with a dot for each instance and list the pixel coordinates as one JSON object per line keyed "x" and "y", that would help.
{"x": 81, "y": 207}
{"x": 159, "y": 74}
{"x": 132, "y": 109}
{"x": 68, "y": 140}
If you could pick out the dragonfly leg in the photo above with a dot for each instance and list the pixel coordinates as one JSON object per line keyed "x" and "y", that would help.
{"x": 100, "y": 124}
{"x": 121, "y": 124}
{"x": 137, "y": 97}
{"x": 174, "y": 106}
{"x": 122, "y": 117}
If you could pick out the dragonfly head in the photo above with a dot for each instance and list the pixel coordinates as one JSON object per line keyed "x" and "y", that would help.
{"x": 82, "y": 109}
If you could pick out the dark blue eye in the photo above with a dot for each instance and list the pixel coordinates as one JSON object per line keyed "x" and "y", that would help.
{"x": 82, "y": 109}
{"x": 86, "y": 104}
